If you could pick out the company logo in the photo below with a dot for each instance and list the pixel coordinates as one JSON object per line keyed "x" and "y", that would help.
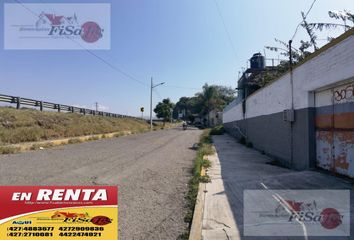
{"x": 68, "y": 217}
{"x": 308, "y": 212}
{"x": 49, "y": 26}
{"x": 64, "y": 215}
{"x": 284, "y": 212}
{"x": 101, "y": 220}
{"x": 67, "y": 26}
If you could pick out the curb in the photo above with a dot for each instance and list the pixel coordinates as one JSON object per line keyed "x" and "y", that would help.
{"x": 64, "y": 141}
{"x": 30, "y": 146}
{"x": 197, "y": 221}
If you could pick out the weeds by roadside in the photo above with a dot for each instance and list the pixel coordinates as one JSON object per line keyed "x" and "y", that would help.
{"x": 28, "y": 125}
{"x": 33, "y": 128}
{"x": 217, "y": 130}
{"x": 204, "y": 149}
{"x": 245, "y": 142}
{"x": 74, "y": 140}
{"x": 93, "y": 138}
{"x": 41, "y": 145}
{"x": 8, "y": 150}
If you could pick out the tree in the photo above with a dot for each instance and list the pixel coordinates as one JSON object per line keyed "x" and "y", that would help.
{"x": 213, "y": 97}
{"x": 163, "y": 110}
{"x": 345, "y": 15}
{"x": 284, "y": 50}
{"x": 309, "y": 31}
{"x": 302, "y": 52}
{"x": 182, "y": 106}
{"x": 188, "y": 106}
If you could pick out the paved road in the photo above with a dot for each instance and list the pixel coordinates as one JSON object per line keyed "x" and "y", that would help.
{"x": 152, "y": 171}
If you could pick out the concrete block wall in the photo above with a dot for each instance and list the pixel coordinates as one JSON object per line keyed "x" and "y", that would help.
{"x": 292, "y": 144}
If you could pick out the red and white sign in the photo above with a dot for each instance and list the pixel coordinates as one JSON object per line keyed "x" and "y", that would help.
{"x": 57, "y": 26}
{"x": 55, "y": 212}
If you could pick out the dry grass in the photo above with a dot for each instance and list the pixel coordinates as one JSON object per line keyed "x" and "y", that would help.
{"x": 27, "y": 125}
{"x": 204, "y": 149}
{"x": 8, "y": 150}
{"x": 74, "y": 140}
{"x": 94, "y": 138}
{"x": 41, "y": 145}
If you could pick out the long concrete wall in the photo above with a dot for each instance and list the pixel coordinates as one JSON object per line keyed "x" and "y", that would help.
{"x": 292, "y": 143}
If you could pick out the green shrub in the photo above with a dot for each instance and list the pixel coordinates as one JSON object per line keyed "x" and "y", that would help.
{"x": 205, "y": 137}
{"x": 217, "y": 130}
{"x": 205, "y": 179}
{"x": 8, "y": 150}
{"x": 204, "y": 148}
{"x": 206, "y": 163}
{"x": 183, "y": 236}
{"x": 43, "y": 145}
{"x": 74, "y": 140}
{"x": 94, "y": 138}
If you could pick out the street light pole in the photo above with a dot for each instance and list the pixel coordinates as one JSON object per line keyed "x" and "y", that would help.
{"x": 171, "y": 114}
{"x": 151, "y": 104}
{"x": 96, "y": 105}
{"x": 152, "y": 86}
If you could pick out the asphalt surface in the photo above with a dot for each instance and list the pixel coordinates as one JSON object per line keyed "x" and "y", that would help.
{"x": 151, "y": 170}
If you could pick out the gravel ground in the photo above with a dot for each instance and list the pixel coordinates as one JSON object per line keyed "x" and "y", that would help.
{"x": 151, "y": 170}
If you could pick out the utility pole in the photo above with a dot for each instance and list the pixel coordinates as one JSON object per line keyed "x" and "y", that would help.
{"x": 151, "y": 104}
{"x": 96, "y": 104}
{"x": 151, "y": 88}
{"x": 292, "y": 104}
{"x": 171, "y": 114}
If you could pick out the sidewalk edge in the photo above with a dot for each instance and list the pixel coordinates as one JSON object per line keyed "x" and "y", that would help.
{"x": 197, "y": 222}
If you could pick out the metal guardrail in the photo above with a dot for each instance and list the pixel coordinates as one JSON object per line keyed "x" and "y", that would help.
{"x": 19, "y": 101}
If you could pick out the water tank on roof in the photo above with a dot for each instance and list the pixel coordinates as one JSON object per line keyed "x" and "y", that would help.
{"x": 257, "y": 61}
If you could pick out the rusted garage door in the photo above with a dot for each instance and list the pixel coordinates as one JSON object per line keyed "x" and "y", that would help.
{"x": 335, "y": 129}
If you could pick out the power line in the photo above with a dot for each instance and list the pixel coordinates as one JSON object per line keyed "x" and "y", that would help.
{"x": 307, "y": 13}
{"x": 225, "y": 28}
{"x": 181, "y": 87}
{"x": 124, "y": 73}
{"x": 158, "y": 94}
{"x": 112, "y": 66}
{"x": 92, "y": 53}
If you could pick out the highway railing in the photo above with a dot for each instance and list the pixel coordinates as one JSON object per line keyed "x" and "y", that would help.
{"x": 42, "y": 105}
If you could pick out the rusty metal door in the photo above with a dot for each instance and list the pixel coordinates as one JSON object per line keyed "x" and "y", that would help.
{"x": 335, "y": 129}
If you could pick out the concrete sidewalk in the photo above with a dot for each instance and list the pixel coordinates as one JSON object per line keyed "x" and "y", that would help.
{"x": 236, "y": 168}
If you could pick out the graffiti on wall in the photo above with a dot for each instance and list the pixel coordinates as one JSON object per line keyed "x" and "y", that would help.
{"x": 344, "y": 94}
{"x": 335, "y": 130}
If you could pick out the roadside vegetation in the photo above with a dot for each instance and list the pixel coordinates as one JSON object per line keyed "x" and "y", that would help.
{"x": 163, "y": 110}
{"x": 204, "y": 148}
{"x": 217, "y": 130}
{"x": 343, "y": 19}
{"x": 29, "y": 125}
{"x": 196, "y": 108}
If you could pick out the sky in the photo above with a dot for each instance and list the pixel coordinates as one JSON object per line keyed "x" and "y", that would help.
{"x": 180, "y": 42}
